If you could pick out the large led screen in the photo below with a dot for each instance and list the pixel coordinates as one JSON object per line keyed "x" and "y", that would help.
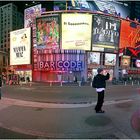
{"x": 47, "y": 32}
{"x": 76, "y": 31}
{"x": 106, "y": 33}
{"x": 110, "y": 59}
{"x": 130, "y": 34}
{"x": 30, "y": 15}
{"x": 112, "y": 7}
{"x": 20, "y": 47}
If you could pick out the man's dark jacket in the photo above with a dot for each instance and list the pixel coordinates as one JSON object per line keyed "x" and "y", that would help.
{"x": 99, "y": 80}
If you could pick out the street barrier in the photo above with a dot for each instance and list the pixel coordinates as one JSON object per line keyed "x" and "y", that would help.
{"x": 81, "y": 84}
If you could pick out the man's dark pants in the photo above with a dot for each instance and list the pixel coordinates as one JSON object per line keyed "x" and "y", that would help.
{"x": 100, "y": 101}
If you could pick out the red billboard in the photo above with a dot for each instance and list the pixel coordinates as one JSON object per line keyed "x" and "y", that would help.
{"x": 129, "y": 35}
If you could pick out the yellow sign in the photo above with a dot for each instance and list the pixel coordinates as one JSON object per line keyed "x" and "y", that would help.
{"x": 76, "y": 31}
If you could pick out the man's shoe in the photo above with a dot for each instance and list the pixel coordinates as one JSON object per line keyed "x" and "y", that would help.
{"x": 100, "y": 111}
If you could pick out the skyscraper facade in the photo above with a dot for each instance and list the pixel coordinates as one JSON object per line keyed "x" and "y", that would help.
{"x": 10, "y": 20}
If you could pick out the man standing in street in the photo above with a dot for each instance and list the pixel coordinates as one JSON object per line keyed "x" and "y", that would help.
{"x": 99, "y": 82}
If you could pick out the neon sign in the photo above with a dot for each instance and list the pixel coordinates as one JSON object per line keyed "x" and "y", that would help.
{"x": 61, "y": 65}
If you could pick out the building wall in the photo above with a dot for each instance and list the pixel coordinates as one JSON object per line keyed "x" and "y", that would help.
{"x": 3, "y": 62}
{"x": 56, "y": 66}
{"x": 10, "y": 20}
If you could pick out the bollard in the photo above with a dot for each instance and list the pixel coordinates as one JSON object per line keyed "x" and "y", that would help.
{"x": 30, "y": 84}
{"x": 20, "y": 83}
{"x": 50, "y": 84}
{"x": 61, "y": 84}
{"x": 91, "y": 84}
{"x": 125, "y": 83}
{"x": 132, "y": 83}
{"x": 79, "y": 83}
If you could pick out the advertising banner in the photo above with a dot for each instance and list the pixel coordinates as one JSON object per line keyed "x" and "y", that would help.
{"x": 137, "y": 63}
{"x": 94, "y": 58}
{"x": 106, "y": 33}
{"x": 130, "y": 35}
{"x": 76, "y": 31}
{"x": 110, "y": 59}
{"x": 113, "y": 7}
{"x": 125, "y": 61}
{"x": 47, "y": 32}
{"x": 30, "y": 15}
{"x": 20, "y": 47}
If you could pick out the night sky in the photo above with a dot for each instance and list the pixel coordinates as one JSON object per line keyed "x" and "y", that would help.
{"x": 22, "y": 4}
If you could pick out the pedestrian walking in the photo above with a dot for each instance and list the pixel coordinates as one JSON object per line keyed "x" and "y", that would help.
{"x": 99, "y": 82}
{"x": 0, "y": 87}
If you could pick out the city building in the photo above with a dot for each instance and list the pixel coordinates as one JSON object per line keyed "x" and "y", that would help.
{"x": 134, "y": 7}
{"x": 10, "y": 19}
{"x": 55, "y": 60}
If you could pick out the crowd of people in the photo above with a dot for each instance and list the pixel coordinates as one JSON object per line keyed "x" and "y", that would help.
{"x": 14, "y": 79}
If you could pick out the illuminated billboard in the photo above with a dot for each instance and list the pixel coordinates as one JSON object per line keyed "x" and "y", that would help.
{"x": 110, "y": 59}
{"x": 76, "y": 31}
{"x": 30, "y": 15}
{"x": 137, "y": 63}
{"x": 125, "y": 61}
{"x": 113, "y": 7}
{"x": 130, "y": 34}
{"x": 20, "y": 47}
{"x": 106, "y": 33}
{"x": 94, "y": 58}
{"x": 47, "y": 32}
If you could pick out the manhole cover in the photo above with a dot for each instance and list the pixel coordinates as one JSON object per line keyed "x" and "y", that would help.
{"x": 135, "y": 121}
{"x": 98, "y": 120}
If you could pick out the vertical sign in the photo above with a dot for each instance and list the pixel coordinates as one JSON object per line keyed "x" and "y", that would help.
{"x": 106, "y": 33}
{"x": 47, "y": 31}
{"x": 20, "y": 47}
{"x": 30, "y": 15}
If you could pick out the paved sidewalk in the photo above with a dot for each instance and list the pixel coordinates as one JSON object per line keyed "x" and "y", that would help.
{"x": 41, "y": 112}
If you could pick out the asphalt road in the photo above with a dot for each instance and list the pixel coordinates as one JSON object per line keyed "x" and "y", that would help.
{"x": 68, "y": 112}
